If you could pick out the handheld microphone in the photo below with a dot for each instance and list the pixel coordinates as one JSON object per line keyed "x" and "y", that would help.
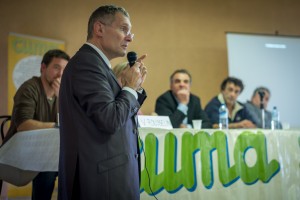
{"x": 261, "y": 95}
{"x": 131, "y": 57}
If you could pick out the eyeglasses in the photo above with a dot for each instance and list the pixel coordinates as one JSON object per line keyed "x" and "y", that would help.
{"x": 123, "y": 29}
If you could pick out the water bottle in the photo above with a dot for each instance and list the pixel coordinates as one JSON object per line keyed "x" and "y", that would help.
{"x": 275, "y": 119}
{"x": 223, "y": 117}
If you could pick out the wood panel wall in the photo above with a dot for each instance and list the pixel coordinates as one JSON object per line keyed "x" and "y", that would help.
{"x": 175, "y": 34}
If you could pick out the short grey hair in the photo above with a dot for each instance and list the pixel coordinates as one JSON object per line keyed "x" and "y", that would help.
{"x": 264, "y": 89}
{"x": 181, "y": 71}
{"x": 105, "y": 14}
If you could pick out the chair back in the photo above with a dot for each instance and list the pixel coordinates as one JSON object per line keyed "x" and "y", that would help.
{"x": 4, "y": 118}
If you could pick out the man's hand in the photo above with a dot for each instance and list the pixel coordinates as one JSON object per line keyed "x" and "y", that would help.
{"x": 183, "y": 96}
{"x": 143, "y": 69}
{"x": 55, "y": 86}
{"x": 245, "y": 124}
{"x": 182, "y": 126}
{"x": 135, "y": 76}
{"x": 31, "y": 124}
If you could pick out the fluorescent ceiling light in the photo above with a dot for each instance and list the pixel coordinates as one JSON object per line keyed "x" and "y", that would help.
{"x": 275, "y": 46}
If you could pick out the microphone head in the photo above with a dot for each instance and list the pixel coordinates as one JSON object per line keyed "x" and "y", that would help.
{"x": 261, "y": 93}
{"x": 131, "y": 57}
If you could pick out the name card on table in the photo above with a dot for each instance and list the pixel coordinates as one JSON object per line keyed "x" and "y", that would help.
{"x": 149, "y": 121}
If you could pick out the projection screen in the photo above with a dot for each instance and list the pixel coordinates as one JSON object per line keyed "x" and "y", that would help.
{"x": 272, "y": 61}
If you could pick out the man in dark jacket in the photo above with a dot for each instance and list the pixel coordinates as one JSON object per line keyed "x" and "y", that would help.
{"x": 238, "y": 115}
{"x": 99, "y": 152}
{"x": 180, "y": 104}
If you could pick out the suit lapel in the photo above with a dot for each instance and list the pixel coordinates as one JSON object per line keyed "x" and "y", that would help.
{"x": 86, "y": 47}
{"x": 114, "y": 77}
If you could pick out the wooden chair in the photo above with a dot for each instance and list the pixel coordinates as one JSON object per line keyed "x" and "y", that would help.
{"x": 4, "y": 118}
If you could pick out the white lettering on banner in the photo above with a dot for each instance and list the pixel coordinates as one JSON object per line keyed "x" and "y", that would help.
{"x": 213, "y": 162}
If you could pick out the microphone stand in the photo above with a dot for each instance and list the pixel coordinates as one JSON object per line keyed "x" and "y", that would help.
{"x": 261, "y": 95}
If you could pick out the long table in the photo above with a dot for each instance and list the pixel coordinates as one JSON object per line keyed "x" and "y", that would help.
{"x": 189, "y": 164}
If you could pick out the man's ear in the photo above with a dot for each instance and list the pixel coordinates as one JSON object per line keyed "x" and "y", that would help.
{"x": 99, "y": 28}
{"x": 43, "y": 67}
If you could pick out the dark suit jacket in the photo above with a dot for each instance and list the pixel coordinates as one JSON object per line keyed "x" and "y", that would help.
{"x": 99, "y": 157}
{"x": 166, "y": 105}
{"x": 212, "y": 110}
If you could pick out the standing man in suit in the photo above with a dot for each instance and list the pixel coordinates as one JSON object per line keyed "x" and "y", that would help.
{"x": 180, "y": 104}
{"x": 99, "y": 153}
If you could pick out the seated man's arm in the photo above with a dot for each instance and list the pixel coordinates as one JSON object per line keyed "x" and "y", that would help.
{"x": 242, "y": 124}
{"x": 26, "y": 102}
{"x": 247, "y": 122}
{"x": 31, "y": 124}
{"x": 201, "y": 114}
{"x": 205, "y": 120}
{"x": 212, "y": 112}
{"x": 164, "y": 108}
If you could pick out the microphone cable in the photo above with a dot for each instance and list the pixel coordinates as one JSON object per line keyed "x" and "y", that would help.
{"x": 146, "y": 166}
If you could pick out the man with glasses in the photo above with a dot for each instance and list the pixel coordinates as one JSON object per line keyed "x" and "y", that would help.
{"x": 99, "y": 153}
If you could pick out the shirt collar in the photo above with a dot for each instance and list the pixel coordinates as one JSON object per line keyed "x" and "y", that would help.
{"x": 236, "y": 106}
{"x": 176, "y": 98}
{"x": 100, "y": 53}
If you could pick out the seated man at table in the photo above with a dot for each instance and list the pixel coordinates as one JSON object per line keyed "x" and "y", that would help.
{"x": 254, "y": 107}
{"x": 238, "y": 115}
{"x": 35, "y": 107}
{"x": 180, "y": 104}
